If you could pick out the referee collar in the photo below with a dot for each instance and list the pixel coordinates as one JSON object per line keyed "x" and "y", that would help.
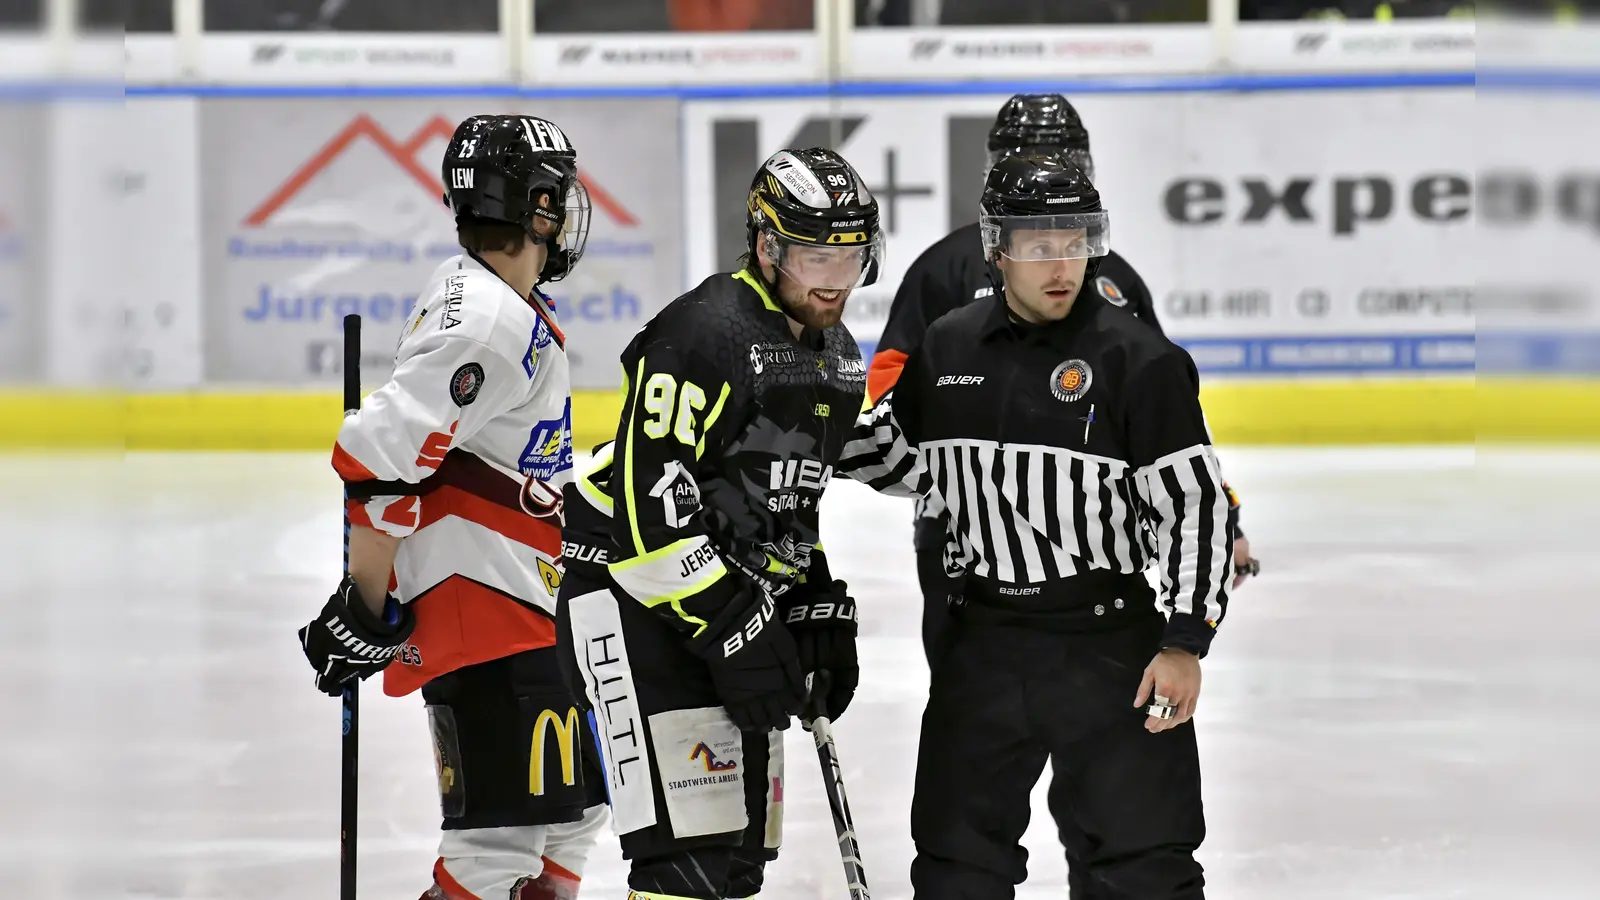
{"x": 1000, "y": 321}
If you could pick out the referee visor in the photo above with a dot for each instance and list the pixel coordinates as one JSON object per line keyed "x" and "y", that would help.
{"x": 1045, "y": 238}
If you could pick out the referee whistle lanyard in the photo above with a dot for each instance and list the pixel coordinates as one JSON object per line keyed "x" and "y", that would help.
{"x": 1087, "y": 421}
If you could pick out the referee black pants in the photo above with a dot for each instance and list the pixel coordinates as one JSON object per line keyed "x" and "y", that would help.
{"x": 1126, "y": 803}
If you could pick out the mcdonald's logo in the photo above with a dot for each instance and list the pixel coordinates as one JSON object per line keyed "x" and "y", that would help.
{"x": 567, "y": 741}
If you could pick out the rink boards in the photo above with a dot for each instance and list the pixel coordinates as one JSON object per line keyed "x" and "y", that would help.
{"x": 1333, "y": 255}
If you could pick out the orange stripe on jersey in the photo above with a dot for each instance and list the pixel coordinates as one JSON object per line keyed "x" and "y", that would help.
{"x": 885, "y": 371}
{"x": 402, "y": 512}
{"x": 448, "y": 500}
{"x": 358, "y": 513}
{"x": 350, "y": 468}
{"x": 462, "y": 623}
{"x": 550, "y": 322}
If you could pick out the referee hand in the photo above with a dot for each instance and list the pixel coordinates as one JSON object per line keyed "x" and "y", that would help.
{"x": 1244, "y": 565}
{"x": 1171, "y": 679}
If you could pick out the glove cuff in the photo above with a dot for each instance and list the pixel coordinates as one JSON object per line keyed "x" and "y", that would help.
{"x": 742, "y": 625}
{"x": 832, "y": 607}
{"x": 360, "y": 615}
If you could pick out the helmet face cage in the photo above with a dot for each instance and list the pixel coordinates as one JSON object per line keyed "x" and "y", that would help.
{"x": 823, "y": 267}
{"x": 572, "y": 232}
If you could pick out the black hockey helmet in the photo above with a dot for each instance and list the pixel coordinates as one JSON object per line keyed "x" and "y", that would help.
{"x": 813, "y": 199}
{"x": 517, "y": 169}
{"x": 1039, "y": 208}
{"x": 1040, "y": 123}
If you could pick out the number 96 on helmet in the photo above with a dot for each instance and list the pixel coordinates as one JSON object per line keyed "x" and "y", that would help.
{"x": 812, "y": 218}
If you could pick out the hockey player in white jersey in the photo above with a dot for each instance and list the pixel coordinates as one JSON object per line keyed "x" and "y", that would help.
{"x": 455, "y": 469}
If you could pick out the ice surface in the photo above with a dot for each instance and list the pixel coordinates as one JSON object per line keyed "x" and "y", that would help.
{"x": 1403, "y": 705}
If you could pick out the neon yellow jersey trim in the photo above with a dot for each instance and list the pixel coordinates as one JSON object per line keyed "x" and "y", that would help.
{"x": 761, "y": 289}
{"x": 700, "y": 448}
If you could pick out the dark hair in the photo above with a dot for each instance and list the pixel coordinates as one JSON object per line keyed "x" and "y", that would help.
{"x": 490, "y": 235}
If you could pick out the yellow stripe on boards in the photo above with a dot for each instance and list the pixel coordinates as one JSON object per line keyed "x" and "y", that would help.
{"x": 1279, "y": 411}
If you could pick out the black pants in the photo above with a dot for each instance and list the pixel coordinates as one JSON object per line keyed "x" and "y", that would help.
{"x": 695, "y": 801}
{"x": 1126, "y": 803}
{"x": 511, "y": 745}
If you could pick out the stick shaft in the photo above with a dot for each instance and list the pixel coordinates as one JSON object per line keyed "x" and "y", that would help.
{"x": 350, "y": 743}
{"x": 855, "y": 876}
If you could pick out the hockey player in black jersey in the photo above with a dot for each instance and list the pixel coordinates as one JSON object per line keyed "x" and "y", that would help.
{"x": 696, "y": 598}
{"x": 1066, "y": 441}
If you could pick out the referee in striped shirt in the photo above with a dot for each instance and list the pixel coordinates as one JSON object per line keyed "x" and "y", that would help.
{"x": 1065, "y": 438}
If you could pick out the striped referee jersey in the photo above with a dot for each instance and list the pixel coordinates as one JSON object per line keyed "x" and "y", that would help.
{"x": 1064, "y": 453}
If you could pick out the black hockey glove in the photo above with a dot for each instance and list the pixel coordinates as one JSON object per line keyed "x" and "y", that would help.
{"x": 823, "y": 622}
{"x": 754, "y": 668}
{"x": 346, "y": 641}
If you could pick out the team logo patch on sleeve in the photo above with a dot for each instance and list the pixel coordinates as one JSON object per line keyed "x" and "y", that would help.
{"x": 1109, "y": 290}
{"x": 465, "y": 384}
{"x": 1071, "y": 380}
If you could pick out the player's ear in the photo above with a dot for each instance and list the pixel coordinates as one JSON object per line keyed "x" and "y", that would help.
{"x": 541, "y": 226}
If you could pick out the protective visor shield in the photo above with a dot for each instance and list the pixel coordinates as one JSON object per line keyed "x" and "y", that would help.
{"x": 823, "y": 267}
{"x": 1044, "y": 238}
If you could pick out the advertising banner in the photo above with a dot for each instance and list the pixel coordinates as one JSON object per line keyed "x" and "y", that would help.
{"x": 1538, "y": 232}
{"x": 82, "y": 177}
{"x": 677, "y": 58}
{"x": 330, "y": 57}
{"x": 159, "y": 251}
{"x": 22, "y": 161}
{"x": 314, "y": 209}
{"x": 1320, "y": 232}
{"x": 151, "y": 58}
{"x": 1414, "y": 44}
{"x": 1034, "y": 51}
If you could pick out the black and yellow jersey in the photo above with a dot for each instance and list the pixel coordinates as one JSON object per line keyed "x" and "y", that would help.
{"x": 729, "y": 432}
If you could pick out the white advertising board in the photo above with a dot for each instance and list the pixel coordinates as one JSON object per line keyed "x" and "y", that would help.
{"x": 1030, "y": 52}
{"x": 314, "y": 209}
{"x": 159, "y": 205}
{"x": 676, "y": 58}
{"x": 1322, "y": 232}
{"x": 23, "y": 157}
{"x": 1537, "y": 242}
{"x": 151, "y": 59}
{"x": 1407, "y": 45}
{"x": 333, "y": 57}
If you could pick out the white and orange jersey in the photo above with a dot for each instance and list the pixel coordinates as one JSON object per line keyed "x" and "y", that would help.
{"x": 463, "y": 453}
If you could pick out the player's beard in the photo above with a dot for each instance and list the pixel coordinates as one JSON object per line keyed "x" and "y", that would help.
{"x": 811, "y": 308}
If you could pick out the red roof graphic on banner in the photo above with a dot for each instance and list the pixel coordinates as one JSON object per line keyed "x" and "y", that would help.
{"x": 404, "y": 155}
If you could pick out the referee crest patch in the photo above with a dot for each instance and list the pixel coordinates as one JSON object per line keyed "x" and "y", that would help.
{"x": 1109, "y": 290}
{"x": 1071, "y": 380}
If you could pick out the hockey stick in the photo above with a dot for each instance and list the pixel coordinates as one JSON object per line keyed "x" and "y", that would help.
{"x": 855, "y": 877}
{"x": 350, "y": 757}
